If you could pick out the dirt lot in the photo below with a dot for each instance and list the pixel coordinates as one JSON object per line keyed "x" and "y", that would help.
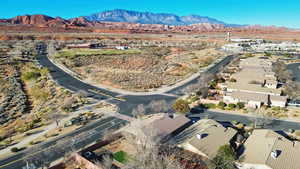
{"x": 137, "y": 69}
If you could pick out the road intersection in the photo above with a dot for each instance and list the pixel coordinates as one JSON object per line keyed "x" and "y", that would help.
{"x": 98, "y": 128}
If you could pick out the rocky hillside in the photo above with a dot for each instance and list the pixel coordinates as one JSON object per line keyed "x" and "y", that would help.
{"x": 120, "y": 15}
{"x": 122, "y": 21}
{"x": 46, "y": 21}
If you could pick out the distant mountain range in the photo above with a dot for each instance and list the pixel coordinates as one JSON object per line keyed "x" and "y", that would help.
{"x": 123, "y": 20}
{"x": 120, "y": 15}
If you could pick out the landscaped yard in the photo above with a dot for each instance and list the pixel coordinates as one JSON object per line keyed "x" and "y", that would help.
{"x": 121, "y": 156}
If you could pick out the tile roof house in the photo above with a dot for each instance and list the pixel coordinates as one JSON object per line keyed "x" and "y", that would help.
{"x": 255, "y": 99}
{"x": 266, "y": 149}
{"x": 205, "y": 137}
{"x": 170, "y": 125}
{"x": 256, "y": 84}
{"x": 161, "y": 124}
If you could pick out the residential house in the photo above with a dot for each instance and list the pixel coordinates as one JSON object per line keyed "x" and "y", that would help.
{"x": 205, "y": 137}
{"x": 170, "y": 125}
{"x": 256, "y": 85}
{"x": 266, "y": 149}
{"x": 162, "y": 124}
{"x": 255, "y": 100}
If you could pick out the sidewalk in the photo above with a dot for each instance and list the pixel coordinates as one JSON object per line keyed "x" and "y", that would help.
{"x": 48, "y": 128}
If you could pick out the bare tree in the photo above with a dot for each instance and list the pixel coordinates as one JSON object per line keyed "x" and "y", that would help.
{"x": 51, "y": 48}
{"x": 82, "y": 93}
{"x": 201, "y": 86}
{"x": 39, "y": 158}
{"x": 68, "y": 103}
{"x": 56, "y": 117}
{"x": 292, "y": 89}
{"x": 106, "y": 163}
{"x": 139, "y": 111}
{"x": 147, "y": 144}
{"x": 159, "y": 106}
{"x": 281, "y": 71}
{"x": 259, "y": 117}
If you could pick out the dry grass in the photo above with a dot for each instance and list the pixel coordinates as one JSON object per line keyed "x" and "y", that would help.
{"x": 137, "y": 69}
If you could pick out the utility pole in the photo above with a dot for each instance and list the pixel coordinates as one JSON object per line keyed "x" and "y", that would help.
{"x": 228, "y": 36}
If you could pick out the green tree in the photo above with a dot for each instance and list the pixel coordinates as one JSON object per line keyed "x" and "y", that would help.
{"x": 224, "y": 159}
{"x": 231, "y": 106}
{"x": 222, "y": 105}
{"x": 181, "y": 106}
{"x": 240, "y": 105}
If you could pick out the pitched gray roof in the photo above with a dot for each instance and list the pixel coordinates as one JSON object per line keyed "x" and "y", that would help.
{"x": 261, "y": 143}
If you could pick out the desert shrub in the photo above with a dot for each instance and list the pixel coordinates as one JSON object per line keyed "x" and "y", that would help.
{"x": 181, "y": 106}
{"x": 44, "y": 72}
{"x": 33, "y": 75}
{"x": 25, "y": 127}
{"x": 158, "y": 51}
{"x": 39, "y": 93}
{"x": 14, "y": 149}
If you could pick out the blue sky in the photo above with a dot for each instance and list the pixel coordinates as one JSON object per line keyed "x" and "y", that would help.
{"x": 264, "y": 12}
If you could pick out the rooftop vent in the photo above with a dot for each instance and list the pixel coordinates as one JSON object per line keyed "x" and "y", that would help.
{"x": 275, "y": 154}
{"x": 201, "y": 136}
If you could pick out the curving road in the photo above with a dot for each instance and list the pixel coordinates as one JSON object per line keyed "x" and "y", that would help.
{"x": 295, "y": 69}
{"x": 98, "y": 128}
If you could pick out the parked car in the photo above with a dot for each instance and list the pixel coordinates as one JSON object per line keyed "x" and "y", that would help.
{"x": 295, "y": 103}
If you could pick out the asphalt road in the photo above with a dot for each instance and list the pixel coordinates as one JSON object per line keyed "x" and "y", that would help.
{"x": 95, "y": 130}
{"x": 74, "y": 140}
{"x": 272, "y": 124}
{"x": 295, "y": 69}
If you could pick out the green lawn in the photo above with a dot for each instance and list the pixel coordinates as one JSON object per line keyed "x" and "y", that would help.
{"x": 70, "y": 53}
{"x": 121, "y": 156}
